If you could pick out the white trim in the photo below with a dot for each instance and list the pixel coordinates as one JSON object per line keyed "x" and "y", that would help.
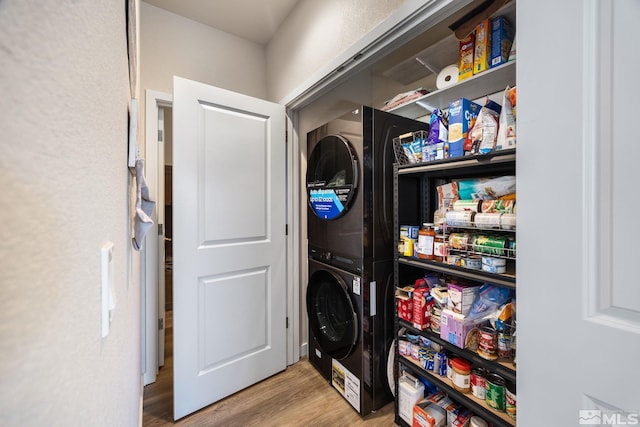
{"x": 410, "y": 19}
{"x": 150, "y": 281}
{"x": 293, "y": 239}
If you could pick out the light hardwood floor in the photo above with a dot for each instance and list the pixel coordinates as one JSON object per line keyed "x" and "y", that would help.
{"x": 299, "y": 396}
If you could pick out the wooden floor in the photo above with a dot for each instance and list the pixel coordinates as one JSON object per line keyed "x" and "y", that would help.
{"x": 299, "y": 396}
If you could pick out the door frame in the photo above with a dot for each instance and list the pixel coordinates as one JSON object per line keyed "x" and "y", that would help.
{"x": 152, "y": 286}
{"x": 152, "y": 283}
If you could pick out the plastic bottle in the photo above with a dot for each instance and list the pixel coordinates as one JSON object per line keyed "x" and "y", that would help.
{"x": 426, "y": 236}
{"x": 461, "y": 375}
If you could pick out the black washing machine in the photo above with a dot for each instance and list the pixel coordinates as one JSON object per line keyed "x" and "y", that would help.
{"x": 350, "y": 330}
{"x": 350, "y": 186}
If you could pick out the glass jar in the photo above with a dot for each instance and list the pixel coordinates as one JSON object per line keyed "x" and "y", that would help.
{"x": 426, "y": 236}
{"x": 440, "y": 248}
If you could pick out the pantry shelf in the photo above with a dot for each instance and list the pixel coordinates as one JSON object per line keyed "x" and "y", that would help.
{"x": 506, "y": 369}
{"x": 491, "y": 81}
{"x": 506, "y": 158}
{"x": 504, "y": 280}
{"x": 476, "y": 405}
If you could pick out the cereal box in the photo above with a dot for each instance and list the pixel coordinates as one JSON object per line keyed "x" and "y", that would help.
{"x": 462, "y": 116}
{"x": 465, "y": 57}
{"x": 482, "y": 47}
{"x": 502, "y": 34}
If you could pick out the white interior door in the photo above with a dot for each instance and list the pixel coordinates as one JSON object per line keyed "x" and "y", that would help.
{"x": 229, "y": 291}
{"x": 578, "y": 336}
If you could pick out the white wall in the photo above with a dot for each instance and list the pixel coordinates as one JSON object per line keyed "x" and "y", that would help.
{"x": 65, "y": 190}
{"x": 172, "y": 45}
{"x": 314, "y": 34}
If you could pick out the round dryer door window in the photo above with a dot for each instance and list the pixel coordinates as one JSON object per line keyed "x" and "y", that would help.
{"x": 332, "y": 176}
{"x": 332, "y": 318}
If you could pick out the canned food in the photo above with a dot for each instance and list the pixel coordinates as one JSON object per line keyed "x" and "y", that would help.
{"x": 508, "y": 221}
{"x": 495, "y": 396}
{"x": 458, "y": 241}
{"x": 467, "y": 205}
{"x": 478, "y": 383}
{"x": 503, "y": 206}
{"x": 492, "y": 245}
{"x": 510, "y": 400}
{"x": 487, "y": 220}
{"x": 504, "y": 344}
{"x": 488, "y": 343}
{"x": 473, "y": 262}
{"x": 495, "y": 269}
{"x": 459, "y": 218}
{"x": 454, "y": 260}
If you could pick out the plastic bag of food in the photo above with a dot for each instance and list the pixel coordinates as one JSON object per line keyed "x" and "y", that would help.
{"x": 438, "y": 127}
{"x": 481, "y": 138}
{"x": 507, "y": 121}
{"x": 489, "y": 299}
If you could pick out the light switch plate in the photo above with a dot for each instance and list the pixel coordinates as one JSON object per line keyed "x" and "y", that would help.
{"x": 106, "y": 264}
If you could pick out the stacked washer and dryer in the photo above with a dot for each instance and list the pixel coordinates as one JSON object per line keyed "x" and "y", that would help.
{"x": 350, "y": 290}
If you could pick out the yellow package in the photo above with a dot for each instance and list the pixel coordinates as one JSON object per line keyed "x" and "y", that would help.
{"x": 465, "y": 57}
{"x": 482, "y": 55}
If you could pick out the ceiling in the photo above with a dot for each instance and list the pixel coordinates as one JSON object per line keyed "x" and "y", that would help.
{"x": 254, "y": 20}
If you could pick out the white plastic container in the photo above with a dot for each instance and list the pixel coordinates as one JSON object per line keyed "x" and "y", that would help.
{"x": 410, "y": 391}
{"x": 476, "y": 421}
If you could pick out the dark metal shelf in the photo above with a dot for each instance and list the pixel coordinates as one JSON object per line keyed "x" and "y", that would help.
{"x": 503, "y": 280}
{"x": 505, "y": 370}
{"x": 476, "y": 405}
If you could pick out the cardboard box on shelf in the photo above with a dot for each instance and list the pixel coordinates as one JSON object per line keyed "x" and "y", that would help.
{"x": 422, "y": 302}
{"x": 462, "y": 115}
{"x": 461, "y": 297}
{"x": 482, "y": 55}
{"x": 465, "y": 57}
{"x": 404, "y": 298}
{"x": 502, "y": 35}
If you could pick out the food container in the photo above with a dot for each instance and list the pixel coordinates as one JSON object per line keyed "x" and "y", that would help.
{"x": 460, "y": 218}
{"x": 478, "y": 383}
{"x": 473, "y": 262}
{"x": 494, "y": 265}
{"x": 508, "y": 221}
{"x": 488, "y": 220}
{"x": 495, "y": 392}
{"x": 488, "y": 343}
{"x": 461, "y": 375}
{"x": 510, "y": 400}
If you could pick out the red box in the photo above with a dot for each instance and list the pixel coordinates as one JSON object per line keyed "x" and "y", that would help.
{"x": 404, "y": 298}
{"x": 422, "y": 303}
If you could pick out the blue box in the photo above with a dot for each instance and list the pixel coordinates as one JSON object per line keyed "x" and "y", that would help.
{"x": 462, "y": 116}
{"x": 502, "y": 34}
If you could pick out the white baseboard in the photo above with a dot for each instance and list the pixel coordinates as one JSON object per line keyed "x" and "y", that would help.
{"x": 304, "y": 349}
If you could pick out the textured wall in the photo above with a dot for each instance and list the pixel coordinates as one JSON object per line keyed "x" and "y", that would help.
{"x": 172, "y": 45}
{"x": 65, "y": 191}
{"x": 314, "y": 34}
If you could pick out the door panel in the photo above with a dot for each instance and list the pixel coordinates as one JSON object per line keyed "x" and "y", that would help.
{"x": 229, "y": 243}
{"x": 578, "y": 314}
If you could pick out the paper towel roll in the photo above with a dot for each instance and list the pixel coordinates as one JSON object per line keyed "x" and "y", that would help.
{"x": 447, "y": 77}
